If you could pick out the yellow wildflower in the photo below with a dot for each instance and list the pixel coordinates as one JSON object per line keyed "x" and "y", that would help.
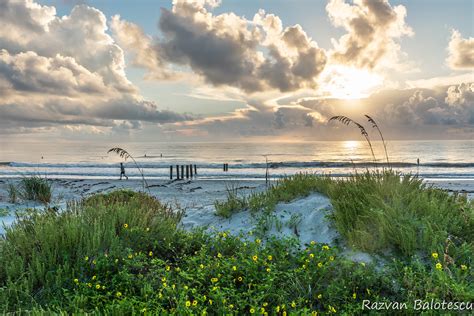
{"x": 277, "y": 309}
{"x": 231, "y": 306}
{"x": 148, "y": 229}
{"x": 252, "y": 311}
{"x": 320, "y": 296}
{"x": 293, "y": 304}
{"x": 311, "y": 255}
{"x": 270, "y": 257}
{"x": 320, "y": 264}
{"x": 210, "y": 302}
{"x": 201, "y": 266}
{"x": 163, "y": 279}
{"x": 262, "y": 310}
{"x": 255, "y": 258}
{"x": 125, "y": 225}
{"x": 354, "y": 296}
{"x": 94, "y": 262}
{"x": 439, "y": 266}
{"x": 168, "y": 268}
{"x": 258, "y": 241}
{"x": 103, "y": 287}
{"x": 86, "y": 258}
{"x": 76, "y": 281}
{"x": 312, "y": 243}
{"x": 331, "y": 258}
{"x": 234, "y": 268}
{"x": 118, "y": 294}
{"x": 130, "y": 256}
{"x": 325, "y": 247}
{"x": 284, "y": 313}
{"x": 332, "y": 309}
{"x": 188, "y": 303}
{"x": 186, "y": 287}
{"x": 265, "y": 304}
{"x": 94, "y": 277}
{"x": 150, "y": 253}
{"x": 463, "y": 267}
{"x": 97, "y": 286}
{"x": 219, "y": 255}
{"x": 195, "y": 303}
{"x": 268, "y": 269}
{"x": 434, "y": 255}
{"x": 89, "y": 284}
{"x": 314, "y": 313}
{"x": 240, "y": 279}
{"x": 224, "y": 235}
{"x": 214, "y": 280}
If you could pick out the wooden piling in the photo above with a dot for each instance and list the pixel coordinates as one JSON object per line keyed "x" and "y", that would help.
{"x": 187, "y": 171}
{"x": 171, "y": 172}
{"x": 195, "y": 170}
{"x": 182, "y": 171}
{"x": 191, "y": 170}
{"x": 177, "y": 172}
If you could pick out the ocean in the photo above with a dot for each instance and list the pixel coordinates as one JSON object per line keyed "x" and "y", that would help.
{"x": 81, "y": 160}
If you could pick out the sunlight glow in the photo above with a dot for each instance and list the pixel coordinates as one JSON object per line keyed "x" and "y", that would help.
{"x": 349, "y": 83}
{"x": 351, "y": 145}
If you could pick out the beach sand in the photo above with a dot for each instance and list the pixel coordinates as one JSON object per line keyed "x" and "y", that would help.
{"x": 197, "y": 197}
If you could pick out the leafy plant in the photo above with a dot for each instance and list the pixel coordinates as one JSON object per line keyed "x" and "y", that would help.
{"x": 35, "y": 188}
{"x": 12, "y": 193}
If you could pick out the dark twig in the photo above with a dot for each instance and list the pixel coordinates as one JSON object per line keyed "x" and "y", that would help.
{"x": 346, "y": 121}
{"x": 374, "y": 125}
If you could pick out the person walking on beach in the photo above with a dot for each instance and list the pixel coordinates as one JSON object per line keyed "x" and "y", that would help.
{"x": 122, "y": 171}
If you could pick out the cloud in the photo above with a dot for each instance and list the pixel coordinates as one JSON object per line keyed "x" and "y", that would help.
{"x": 226, "y": 49}
{"x": 429, "y": 107}
{"x": 373, "y": 28}
{"x": 145, "y": 54}
{"x": 461, "y": 51}
{"x": 66, "y": 71}
{"x": 57, "y": 75}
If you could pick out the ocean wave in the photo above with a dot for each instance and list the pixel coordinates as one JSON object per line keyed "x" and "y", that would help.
{"x": 240, "y": 165}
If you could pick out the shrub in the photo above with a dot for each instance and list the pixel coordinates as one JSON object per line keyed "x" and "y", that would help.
{"x": 12, "y": 193}
{"x": 35, "y": 188}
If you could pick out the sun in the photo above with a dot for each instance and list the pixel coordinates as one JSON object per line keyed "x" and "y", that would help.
{"x": 344, "y": 82}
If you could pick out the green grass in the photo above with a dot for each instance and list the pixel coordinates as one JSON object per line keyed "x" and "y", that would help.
{"x": 379, "y": 211}
{"x": 123, "y": 253}
{"x": 33, "y": 188}
{"x": 284, "y": 190}
{"x": 12, "y": 193}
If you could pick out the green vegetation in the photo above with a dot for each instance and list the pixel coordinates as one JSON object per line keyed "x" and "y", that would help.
{"x": 284, "y": 190}
{"x": 33, "y": 188}
{"x": 380, "y": 211}
{"x": 123, "y": 253}
{"x": 12, "y": 193}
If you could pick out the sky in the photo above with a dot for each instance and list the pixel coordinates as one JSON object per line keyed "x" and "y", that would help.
{"x": 235, "y": 70}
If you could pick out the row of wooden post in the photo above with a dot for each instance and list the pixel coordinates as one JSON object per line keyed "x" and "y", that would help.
{"x": 226, "y": 167}
{"x": 191, "y": 171}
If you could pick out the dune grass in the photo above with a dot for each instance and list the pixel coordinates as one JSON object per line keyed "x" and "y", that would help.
{"x": 379, "y": 211}
{"x": 122, "y": 253}
{"x": 34, "y": 188}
